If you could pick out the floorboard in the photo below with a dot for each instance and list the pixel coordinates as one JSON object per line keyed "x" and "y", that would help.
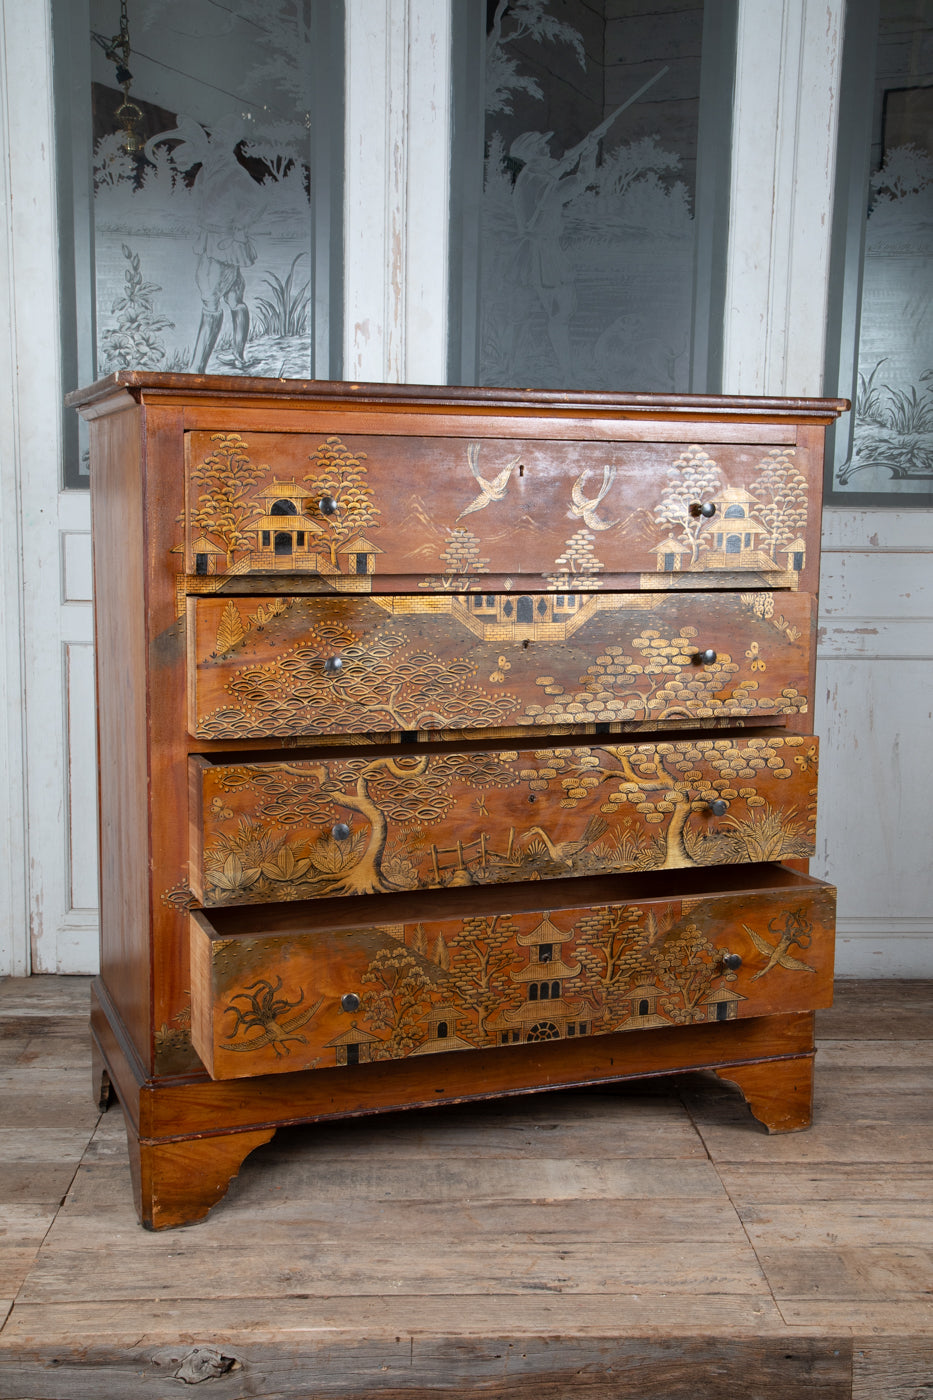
{"x": 648, "y": 1242}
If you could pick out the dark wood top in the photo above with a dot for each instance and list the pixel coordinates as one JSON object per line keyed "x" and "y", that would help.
{"x": 144, "y": 386}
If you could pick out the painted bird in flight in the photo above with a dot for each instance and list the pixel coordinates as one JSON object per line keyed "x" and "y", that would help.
{"x": 492, "y": 490}
{"x": 585, "y": 507}
{"x": 797, "y": 932}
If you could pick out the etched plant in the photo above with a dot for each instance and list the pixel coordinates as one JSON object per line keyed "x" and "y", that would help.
{"x": 134, "y": 341}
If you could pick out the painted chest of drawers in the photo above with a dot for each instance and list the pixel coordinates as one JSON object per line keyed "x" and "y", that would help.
{"x": 452, "y": 743}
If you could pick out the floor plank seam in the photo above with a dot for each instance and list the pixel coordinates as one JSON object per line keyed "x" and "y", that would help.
{"x": 728, "y": 1195}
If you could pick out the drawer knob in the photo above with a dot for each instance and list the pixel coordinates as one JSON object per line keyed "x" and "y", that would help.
{"x": 707, "y": 657}
{"x": 718, "y": 806}
{"x": 706, "y": 509}
{"x": 351, "y": 1002}
{"x": 732, "y": 961}
{"x": 340, "y": 831}
{"x": 327, "y": 505}
{"x": 333, "y": 665}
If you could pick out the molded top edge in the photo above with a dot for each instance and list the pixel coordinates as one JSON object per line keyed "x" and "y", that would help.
{"x": 150, "y": 385}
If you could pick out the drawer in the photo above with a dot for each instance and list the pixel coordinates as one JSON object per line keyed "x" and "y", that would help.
{"x": 328, "y": 985}
{"x": 306, "y": 664}
{"x": 382, "y": 822}
{"x": 572, "y": 512}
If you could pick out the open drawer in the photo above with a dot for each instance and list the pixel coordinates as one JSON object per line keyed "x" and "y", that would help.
{"x": 340, "y": 983}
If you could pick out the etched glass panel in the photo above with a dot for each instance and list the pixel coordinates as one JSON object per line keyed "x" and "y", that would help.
{"x": 202, "y": 186}
{"x": 891, "y": 453}
{"x": 587, "y": 221}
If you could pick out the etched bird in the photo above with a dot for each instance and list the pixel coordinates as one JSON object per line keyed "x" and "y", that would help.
{"x": 492, "y": 490}
{"x": 797, "y": 930}
{"x": 586, "y": 507}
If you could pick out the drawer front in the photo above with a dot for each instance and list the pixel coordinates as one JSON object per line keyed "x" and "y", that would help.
{"x": 318, "y": 996}
{"x": 376, "y": 823}
{"x": 570, "y": 512}
{"x": 304, "y": 665}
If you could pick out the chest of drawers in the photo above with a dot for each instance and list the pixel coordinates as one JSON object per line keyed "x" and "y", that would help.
{"x": 452, "y": 743}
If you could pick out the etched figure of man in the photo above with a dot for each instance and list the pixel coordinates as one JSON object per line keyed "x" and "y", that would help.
{"x": 227, "y": 203}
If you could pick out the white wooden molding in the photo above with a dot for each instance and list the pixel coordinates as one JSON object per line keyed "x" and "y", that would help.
{"x": 397, "y": 190}
{"x": 43, "y": 715}
{"x": 788, "y": 58}
{"x": 14, "y": 897}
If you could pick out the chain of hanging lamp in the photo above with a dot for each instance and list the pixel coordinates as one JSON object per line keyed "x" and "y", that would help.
{"x": 127, "y": 114}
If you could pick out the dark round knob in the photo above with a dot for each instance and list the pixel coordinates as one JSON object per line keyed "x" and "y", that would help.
{"x": 732, "y": 961}
{"x": 706, "y": 509}
{"x": 707, "y": 657}
{"x": 351, "y": 1002}
{"x": 328, "y": 506}
{"x": 333, "y": 665}
{"x": 340, "y": 831}
{"x": 718, "y": 806}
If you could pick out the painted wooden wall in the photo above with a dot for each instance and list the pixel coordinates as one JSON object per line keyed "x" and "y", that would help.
{"x": 876, "y": 655}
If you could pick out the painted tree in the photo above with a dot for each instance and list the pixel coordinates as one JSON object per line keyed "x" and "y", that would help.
{"x": 781, "y": 491}
{"x": 340, "y": 474}
{"x": 668, "y": 783}
{"x": 226, "y": 507}
{"x": 578, "y": 566}
{"x": 401, "y": 995}
{"x": 693, "y": 479}
{"x": 379, "y": 792}
{"x": 483, "y": 952}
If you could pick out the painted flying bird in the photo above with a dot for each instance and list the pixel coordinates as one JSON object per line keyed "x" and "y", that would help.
{"x": 492, "y": 490}
{"x": 797, "y": 930}
{"x": 581, "y": 505}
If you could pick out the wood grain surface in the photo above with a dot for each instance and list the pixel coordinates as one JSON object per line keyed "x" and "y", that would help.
{"x": 307, "y": 665}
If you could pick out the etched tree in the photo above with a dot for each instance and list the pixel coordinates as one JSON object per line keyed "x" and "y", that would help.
{"x": 226, "y": 507}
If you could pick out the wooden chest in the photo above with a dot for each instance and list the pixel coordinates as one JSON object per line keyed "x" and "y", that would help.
{"x": 459, "y": 724}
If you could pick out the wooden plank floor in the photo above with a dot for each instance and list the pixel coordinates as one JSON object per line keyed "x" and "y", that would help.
{"x": 653, "y": 1241}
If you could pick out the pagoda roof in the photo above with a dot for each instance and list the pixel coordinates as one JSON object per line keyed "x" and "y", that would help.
{"x": 202, "y": 545}
{"x": 648, "y": 1022}
{"x": 285, "y": 522}
{"x": 558, "y": 1009}
{"x": 671, "y": 546}
{"x": 546, "y": 932}
{"x": 434, "y": 1046}
{"x": 354, "y": 1036}
{"x": 359, "y": 545}
{"x": 283, "y": 491}
{"x": 545, "y": 971}
{"x": 721, "y": 994}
